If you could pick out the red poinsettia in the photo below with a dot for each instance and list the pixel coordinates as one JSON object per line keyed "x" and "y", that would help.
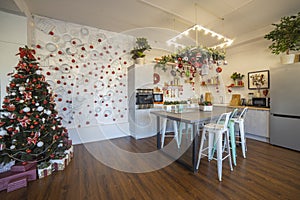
{"x": 34, "y": 139}
{"x": 26, "y": 52}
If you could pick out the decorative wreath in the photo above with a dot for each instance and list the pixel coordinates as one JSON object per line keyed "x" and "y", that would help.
{"x": 156, "y": 78}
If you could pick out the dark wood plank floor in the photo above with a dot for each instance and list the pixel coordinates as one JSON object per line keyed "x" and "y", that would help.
{"x": 268, "y": 172}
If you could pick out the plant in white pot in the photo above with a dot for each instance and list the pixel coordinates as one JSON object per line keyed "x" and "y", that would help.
{"x": 285, "y": 37}
{"x": 138, "y": 51}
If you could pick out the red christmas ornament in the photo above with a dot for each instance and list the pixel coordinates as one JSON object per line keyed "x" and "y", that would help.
{"x": 11, "y": 107}
{"x": 31, "y": 126}
{"x": 45, "y": 101}
{"x": 28, "y": 150}
{"x": 10, "y": 129}
{"x": 51, "y": 33}
{"x": 219, "y": 69}
{"x": 52, "y": 156}
{"x": 24, "y": 163}
{"x": 6, "y": 100}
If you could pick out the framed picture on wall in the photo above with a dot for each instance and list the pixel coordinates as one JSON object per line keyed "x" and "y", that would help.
{"x": 259, "y": 80}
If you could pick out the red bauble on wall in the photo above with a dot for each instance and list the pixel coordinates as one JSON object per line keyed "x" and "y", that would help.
{"x": 219, "y": 69}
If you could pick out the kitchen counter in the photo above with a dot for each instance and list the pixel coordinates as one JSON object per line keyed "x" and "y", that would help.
{"x": 251, "y": 107}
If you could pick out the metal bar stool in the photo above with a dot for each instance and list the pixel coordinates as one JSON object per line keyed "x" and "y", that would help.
{"x": 216, "y": 131}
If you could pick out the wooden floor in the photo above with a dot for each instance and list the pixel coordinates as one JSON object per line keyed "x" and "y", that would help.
{"x": 268, "y": 172}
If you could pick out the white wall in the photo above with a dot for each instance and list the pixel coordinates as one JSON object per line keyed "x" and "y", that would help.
{"x": 249, "y": 57}
{"x": 13, "y": 34}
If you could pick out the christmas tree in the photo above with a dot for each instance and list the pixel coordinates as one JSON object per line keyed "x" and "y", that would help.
{"x": 30, "y": 129}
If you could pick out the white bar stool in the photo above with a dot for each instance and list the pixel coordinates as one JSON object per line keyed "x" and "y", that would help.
{"x": 163, "y": 132}
{"x": 216, "y": 131}
{"x": 239, "y": 120}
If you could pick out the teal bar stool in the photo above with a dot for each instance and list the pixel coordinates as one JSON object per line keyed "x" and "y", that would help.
{"x": 232, "y": 140}
{"x": 231, "y": 123}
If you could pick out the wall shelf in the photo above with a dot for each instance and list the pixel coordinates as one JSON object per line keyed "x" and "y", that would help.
{"x": 238, "y": 86}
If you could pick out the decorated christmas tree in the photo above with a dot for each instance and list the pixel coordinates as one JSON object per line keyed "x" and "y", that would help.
{"x": 30, "y": 129}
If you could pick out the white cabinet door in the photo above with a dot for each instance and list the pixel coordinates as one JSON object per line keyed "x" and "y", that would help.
{"x": 257, "y": 123}
{"x": 144, "y": 124}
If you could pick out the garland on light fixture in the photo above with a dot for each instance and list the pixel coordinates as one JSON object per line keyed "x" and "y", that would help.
{"x": 227, "y": 42}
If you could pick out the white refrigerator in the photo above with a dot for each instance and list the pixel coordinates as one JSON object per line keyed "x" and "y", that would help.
{"x": 285, "y": 106}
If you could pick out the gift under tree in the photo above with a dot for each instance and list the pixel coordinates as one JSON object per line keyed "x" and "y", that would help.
{"x": 30, "y": 129}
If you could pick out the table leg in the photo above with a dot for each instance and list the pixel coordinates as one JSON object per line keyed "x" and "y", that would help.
{"x": 158, "y": 139}
{"x": 195, "y": 147}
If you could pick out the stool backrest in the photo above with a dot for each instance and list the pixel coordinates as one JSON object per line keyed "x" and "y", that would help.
{"x": 233, "y": 113}
{"x": 224, "y": 119}
{"x": 243, "y": 113}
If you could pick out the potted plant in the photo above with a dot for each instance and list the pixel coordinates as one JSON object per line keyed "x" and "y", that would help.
{"x": 216, "y": 54}
{"x": 206, "y": 106}
{"x": 138, "y": 51}
{"x": 237, "y": 78}
{"x": 285, "y": 37}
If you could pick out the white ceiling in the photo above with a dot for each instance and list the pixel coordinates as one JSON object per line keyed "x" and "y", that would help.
{"x": 241, "y": 20}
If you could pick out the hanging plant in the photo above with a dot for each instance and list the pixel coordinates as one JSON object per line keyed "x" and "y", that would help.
{"x": 216, "y": 54}
{"x": 193, "y": 56}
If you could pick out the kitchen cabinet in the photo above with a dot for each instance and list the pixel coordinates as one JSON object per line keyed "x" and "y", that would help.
{"x": 257, "y": 124}
{"x": 141, "y": 123}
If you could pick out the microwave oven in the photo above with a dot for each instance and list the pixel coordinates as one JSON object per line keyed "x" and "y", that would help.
{"x": 261, "y": 102}
{"x": 144, "y": 98}
{"x": 158, "y": 98}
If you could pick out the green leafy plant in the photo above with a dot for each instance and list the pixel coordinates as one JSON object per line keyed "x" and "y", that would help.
{"x": 286, "y": 35}
{"x": 141, "y": 46}
{"x": 216, "y": 54}
{"x": 236, "y": 76}
{"x": 205, "y": 103}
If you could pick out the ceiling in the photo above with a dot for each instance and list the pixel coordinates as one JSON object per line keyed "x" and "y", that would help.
{"x": 241, "y": 20}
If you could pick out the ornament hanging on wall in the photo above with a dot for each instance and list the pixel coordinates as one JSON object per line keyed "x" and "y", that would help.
{"x": 219, "y": 70}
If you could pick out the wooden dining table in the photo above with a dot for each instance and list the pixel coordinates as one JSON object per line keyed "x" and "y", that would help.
{"x": 192, "y": 116}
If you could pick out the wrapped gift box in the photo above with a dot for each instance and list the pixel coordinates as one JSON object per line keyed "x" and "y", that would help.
{"x": 44, "y": 171}
{"x": 59, "y": 164}
{"x": 19, "y": 167}
{"x": 10, "y": 177}
{"x": 17, "y": 184}
{"x": 69, "y": 154}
